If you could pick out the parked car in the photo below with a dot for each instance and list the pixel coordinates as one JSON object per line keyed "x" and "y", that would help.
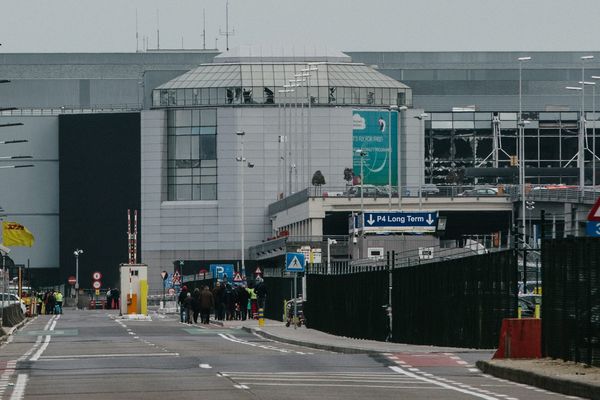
{"x": 479, "y": 192}
{"x": 368, "y": 191}
{"x": 427, "y": 189}
{"x": 7, "y": 299}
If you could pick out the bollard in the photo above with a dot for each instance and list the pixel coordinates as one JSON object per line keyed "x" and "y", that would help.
{"x": 537, "y": 311}
{"x": 261, "y": 317}
{"x": 519, "y": 312}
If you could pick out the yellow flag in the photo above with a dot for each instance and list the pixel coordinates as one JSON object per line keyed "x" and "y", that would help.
{"x": 15, "y": 234}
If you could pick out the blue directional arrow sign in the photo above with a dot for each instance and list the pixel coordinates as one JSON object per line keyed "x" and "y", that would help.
{"x": 294, "y": 262}
{"x": 406, "y": 221}
{"x": 593, "y": 229}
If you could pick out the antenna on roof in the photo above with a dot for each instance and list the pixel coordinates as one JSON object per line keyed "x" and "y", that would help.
{"x": 204, "y": 29}
{"x": 157, "y": 31}
{"x": 227, "y": 33}
{"x": 137, "y": 41}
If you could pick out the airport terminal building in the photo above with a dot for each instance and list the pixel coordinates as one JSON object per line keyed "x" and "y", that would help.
{"x": 158, "y": 132}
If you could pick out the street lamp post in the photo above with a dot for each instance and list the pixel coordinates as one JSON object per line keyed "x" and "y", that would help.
{"x": 77, "y": 253}
{"x": 581, "y": 152}
{"x": 594, "y": 137}
{"x": 242, "y": 160}
{"x": 421, "y": 117}
{"x": 389, "y": 127}
{"x": 329, "y": 243}
{"x": 521, "y": 148}
{"x": 361, "y": 153}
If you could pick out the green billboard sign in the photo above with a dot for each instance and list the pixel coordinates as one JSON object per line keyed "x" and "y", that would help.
{"x": 372, "y": 132}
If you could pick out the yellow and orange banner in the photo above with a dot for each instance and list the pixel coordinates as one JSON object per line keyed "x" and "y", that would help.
{"x": 15, "y": 234}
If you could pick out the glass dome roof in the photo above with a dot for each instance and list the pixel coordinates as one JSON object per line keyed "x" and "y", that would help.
{"x": 241, "y": 79}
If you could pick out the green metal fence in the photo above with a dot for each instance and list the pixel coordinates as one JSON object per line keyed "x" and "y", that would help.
{"x": 571, "y": 299}
{"x": 459, "y": 302}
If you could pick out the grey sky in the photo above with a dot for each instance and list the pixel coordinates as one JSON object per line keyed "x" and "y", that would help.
{"x": 411, "y": 25}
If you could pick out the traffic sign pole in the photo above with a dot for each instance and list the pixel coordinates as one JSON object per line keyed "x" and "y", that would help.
{"x": 295, "y": 297}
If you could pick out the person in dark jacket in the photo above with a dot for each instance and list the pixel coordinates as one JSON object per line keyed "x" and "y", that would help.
{"x": 207, "y": 302}
{"x": 229, "y": 302}
{"x": 187, "y": 305}
{"x": 219, "y": 298}
{"x": 260, "y": 288}
{"x": 196, "y": 304}
{"x": 243, "y": 296}
{"x": 182, "y": 296}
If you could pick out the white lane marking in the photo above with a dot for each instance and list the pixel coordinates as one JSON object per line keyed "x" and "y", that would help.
{"x": 344, "y": 385}
{"x": 206, "y": 366}
{"x": 392, "y": 379}
{"x": 234, "y": 339}
{"x": 444, "y": 385}
{"x": 20, "y": 385}
{"x": 48, "y": 358}
{"x": 49, "y": 326}
{"x": 474, "y": 370}
{"x": 38, "y": 354}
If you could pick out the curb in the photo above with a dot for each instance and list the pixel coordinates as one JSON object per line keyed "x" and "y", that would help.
{"x": 10, "y": 331}
{"x": 333, "y": 348}
{"x": 553, "y": 384}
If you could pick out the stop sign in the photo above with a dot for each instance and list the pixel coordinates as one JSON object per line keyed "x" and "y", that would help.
{"x": 72, "y": 280}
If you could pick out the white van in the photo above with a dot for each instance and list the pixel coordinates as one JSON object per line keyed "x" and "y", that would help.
{"x": 7, "y": 299}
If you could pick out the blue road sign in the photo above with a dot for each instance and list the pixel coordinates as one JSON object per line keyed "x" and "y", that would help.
{"x": 294, "y": 262}
{"x": 424, "y": 221}
{"x": 219, "y": 271}
{"x": 593, "y": 229}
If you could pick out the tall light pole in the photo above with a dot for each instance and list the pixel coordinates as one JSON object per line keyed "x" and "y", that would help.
{"x": 581, "y": 147}
{"x": 594, "y": 138}
{"x": 309, "y": 68}
{"x": 361, "y": 153}
{"x": 389, "y": 128}
{"x": 399, "y": 140}
{"x": 329, "y": 243}
{"x": 421, "y": 117}
{"x": 77, "y": 253}
{"x": 521, "y": 147}
{"x": 593, "y": 85}
{"x": 242, "y": 160}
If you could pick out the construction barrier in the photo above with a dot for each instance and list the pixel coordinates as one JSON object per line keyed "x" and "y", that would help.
{"x": 12, "y": 315}
{"x": 520, "y": 338}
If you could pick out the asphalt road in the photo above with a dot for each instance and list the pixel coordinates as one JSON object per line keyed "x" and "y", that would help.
{"x": 94, "y": 355}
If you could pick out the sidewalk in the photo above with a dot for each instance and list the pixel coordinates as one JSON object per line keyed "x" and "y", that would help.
{"x": 555, "y": 375}
{"x": 276, "y": 330}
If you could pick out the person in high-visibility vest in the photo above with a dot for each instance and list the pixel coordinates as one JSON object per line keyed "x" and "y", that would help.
{"x": 59, "y": 301}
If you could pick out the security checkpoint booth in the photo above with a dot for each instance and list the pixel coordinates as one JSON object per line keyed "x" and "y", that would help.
{"x": 134, "y": 289}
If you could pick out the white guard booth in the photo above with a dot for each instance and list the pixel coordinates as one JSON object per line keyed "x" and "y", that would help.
{"x": 134, "y": 289}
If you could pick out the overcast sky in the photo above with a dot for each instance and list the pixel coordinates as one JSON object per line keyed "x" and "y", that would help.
{"x": 395, "y": 25}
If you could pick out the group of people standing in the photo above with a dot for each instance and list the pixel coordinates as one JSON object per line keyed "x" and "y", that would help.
{"x": 228, "y": 302}
{"x": 51, "y": 302}
{"x": 198, "y": 302}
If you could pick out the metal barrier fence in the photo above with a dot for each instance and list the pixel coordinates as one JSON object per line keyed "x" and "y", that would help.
{"x": 571, "y": 299}
{"x": 459, "y": 302}
{"x": 348, "y": 305}
{"x": 278, "y": 290}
